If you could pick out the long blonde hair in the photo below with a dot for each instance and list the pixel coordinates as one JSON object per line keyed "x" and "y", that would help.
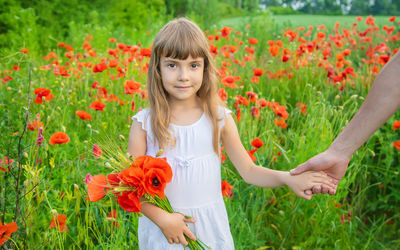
{"x": 178, "y": 39}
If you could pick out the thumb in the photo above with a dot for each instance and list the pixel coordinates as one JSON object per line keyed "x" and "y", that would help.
{"x": 300, "y": 169}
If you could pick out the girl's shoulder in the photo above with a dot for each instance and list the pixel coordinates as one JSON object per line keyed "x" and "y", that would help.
{"x": 223, "y": 112}
{"x": 143, "y": 117}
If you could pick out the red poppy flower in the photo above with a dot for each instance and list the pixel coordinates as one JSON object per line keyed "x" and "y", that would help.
{"x": 35, "y": 125}
{"x": 97, "y": 105}
{"x": 59, "y": 138}
{"x": 157, "y": 174}
{"x": 97, "y": 187}
{"x": 253, "y": 40}
{"x": 42, "y": 92}
{"x": 97, "y": 151}
{"x": 129, "y": 202}
{"x": 100, "y": 67}
{"x": 83, "y": 115}
{"x": 396, "y": 125}
{"x": 222, "y": 94}
{"x": 257, "y": 143}
{"x": 58, "y": 221}
{"x": 131, "y": 87}
{"x": 280, "y": 123}
{"x": 6, "y": 231}
{"x": 145, "y": 52}
{"x": 5, "y": 164}
{"x": 396, "y": 144}
{"x": 302, "y": 107}
{"x": 226, "y": 189}
{"x": 251, "y": 154}
{"x": 281, "y": 111}
{"x": 258, "y": 72}
{"x": 25, "y": 51}
{"x": 134, "y": 177}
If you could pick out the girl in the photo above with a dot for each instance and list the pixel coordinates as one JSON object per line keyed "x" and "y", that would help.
{"x": 187, "y": 120}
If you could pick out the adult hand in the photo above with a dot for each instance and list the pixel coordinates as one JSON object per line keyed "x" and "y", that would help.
{"x": 331, "y": 162}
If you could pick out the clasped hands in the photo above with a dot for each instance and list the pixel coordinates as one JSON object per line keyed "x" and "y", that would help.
{"x": 332, "y": 163}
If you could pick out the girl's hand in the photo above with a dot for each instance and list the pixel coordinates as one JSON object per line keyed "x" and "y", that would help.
{"x": 174, "y": 228}
{"x": 305, "y": 181}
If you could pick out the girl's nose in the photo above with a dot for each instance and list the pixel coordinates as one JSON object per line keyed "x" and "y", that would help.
{"x": 183, "y": 75}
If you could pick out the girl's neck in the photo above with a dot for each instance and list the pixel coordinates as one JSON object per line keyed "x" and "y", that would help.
{"x": 186, "y": 105}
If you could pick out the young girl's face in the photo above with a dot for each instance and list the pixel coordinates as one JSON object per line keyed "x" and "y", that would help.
{"x": 182, "y": 78}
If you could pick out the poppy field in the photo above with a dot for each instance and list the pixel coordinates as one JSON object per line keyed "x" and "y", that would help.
{"x": 291, "y": 91}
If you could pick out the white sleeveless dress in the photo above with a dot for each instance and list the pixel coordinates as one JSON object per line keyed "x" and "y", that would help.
{"x": 195, "y": 189}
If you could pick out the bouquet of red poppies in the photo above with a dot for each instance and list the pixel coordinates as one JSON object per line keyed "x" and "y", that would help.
{"x": 131, "y": 179}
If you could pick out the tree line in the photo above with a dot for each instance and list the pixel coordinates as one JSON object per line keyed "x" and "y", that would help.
{"x": 352, "y": 7}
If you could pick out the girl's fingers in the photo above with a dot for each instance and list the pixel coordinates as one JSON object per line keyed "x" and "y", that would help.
{"x": 182, "y": 240}
{"x": 189, "y": 233}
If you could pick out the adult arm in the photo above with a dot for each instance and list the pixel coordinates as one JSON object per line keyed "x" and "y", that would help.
{"x": 382, "y": 101}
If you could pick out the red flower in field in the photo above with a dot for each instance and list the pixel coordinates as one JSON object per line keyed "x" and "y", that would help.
{"x": 95, "y": 85}
{"x": 59, "y": 138}
{"x": 97, "y": 105}
{"x": 42, "y": 92}
{"x": 222, "y": 94}
{"x": 359, "y": 18}
{"x": 145, "y": 52}
{"x": 223, "y": 156}
{"x": 83, "y": 115}
{"x": 251, "y": 154}
{"x": 262, "y": 102}
{"x": 25, "y": 51}
{"x": 58, "y": 221}
{"x": 258, "y": 72}
{"x": 5, "y": 164}
{"x": 280, "y": 123}
{"x": 281, "y": 111}
{"x": 157, "y": 174}
{"x": 396, "y": 144}
{"x": 255, "y": 112}
{"x": 302, "y": 107}
{"x": 129, "y": 202}
{"x": 252, "y": 96}
{"x": 97, "y": 187}
{"x": 113, "y": 216}
{"x": 35, "y": 125}
{"x": 97, "y": 151}
{"x": 100, "y": 67}
{"x": 225, "y": 31}
{"x": 131, "y": 87}
{"x": 6, "y": 231}
{"x": 285, "y": 58}
{"x": 226, "y": 189}
{"x": 16, "y": 68}
{"x": 396, "y": 125}
{"x": 253, "y": 40}
{"x": 257, "y": 143}
{"x": 274, "y": 50}
{"x": 87, "y": 178}
{"x": 392, "y": 19}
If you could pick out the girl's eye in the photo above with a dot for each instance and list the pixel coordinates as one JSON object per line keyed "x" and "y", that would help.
{"x": 171, "y": 65}
{"x": 195, "y": 66}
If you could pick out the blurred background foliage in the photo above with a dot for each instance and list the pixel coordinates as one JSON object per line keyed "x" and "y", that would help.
{"x": 23, "y": 23}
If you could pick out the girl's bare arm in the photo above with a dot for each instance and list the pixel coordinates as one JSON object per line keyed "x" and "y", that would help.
{"x": 261, "y": 176}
